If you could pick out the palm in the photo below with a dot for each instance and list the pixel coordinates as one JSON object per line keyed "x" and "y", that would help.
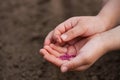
{"x": 72, "y": 49}
{"x": 86, "y": 50}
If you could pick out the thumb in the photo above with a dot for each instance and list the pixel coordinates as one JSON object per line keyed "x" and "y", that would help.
{"x": 73, "y": 33}
{"x": 77, "y": 61}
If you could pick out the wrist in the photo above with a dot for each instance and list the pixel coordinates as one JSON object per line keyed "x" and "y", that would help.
{"x": 110, "y": 13}
{"x": 110, "y": 40}
{"x": 107, "y": 22}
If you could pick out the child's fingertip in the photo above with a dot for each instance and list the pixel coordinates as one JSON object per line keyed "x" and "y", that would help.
{"x": 41, "y": 50}
{"x": 46, "y": 47}
{"x": 64, "y": 69}
{"x": 51, "y": 45}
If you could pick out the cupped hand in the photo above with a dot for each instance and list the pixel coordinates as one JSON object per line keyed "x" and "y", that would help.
{"x": 77, "y": 26}
{"x": 87, "y": 51}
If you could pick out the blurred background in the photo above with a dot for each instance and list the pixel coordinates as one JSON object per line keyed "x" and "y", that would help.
{"x": 23, "y": 27}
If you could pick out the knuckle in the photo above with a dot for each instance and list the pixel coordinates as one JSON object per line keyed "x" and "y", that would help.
{"x": 72, "y": 32}
{"x": 72, "y": 65}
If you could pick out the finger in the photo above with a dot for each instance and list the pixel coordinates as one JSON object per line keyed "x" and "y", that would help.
{"x": 41, "y": 51}
{"x": 58, "y": 48}
{"x": 49, "y": 38}
{"x": 82, "y": 68}
{"x": 65, "y": 26}
{"x": 53, "y": 52}
{"x": 73, "y": 33}
{"x": 52, "y": 58}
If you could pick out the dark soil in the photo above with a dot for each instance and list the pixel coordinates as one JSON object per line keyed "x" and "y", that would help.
{"x": 23, "y": 27}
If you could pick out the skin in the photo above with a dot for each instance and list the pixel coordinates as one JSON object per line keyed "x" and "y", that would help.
{"x": 87, "y": 32}
{"x": 88, "y": 51}
{"x": 84, "y": 26}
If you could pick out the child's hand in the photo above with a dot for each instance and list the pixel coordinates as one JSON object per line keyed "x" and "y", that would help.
{"x": 77, "y": 26}
{"x": 87, "y": 51}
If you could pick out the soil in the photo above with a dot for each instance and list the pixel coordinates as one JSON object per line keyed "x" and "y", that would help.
{"x": 23, "y": 27}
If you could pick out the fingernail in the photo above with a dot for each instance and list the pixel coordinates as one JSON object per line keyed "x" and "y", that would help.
{"x": 64, "y": 69}
{"x": 64, "y": 37}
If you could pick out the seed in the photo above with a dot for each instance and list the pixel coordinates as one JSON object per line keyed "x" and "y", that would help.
{"x": 67, "y": 57}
